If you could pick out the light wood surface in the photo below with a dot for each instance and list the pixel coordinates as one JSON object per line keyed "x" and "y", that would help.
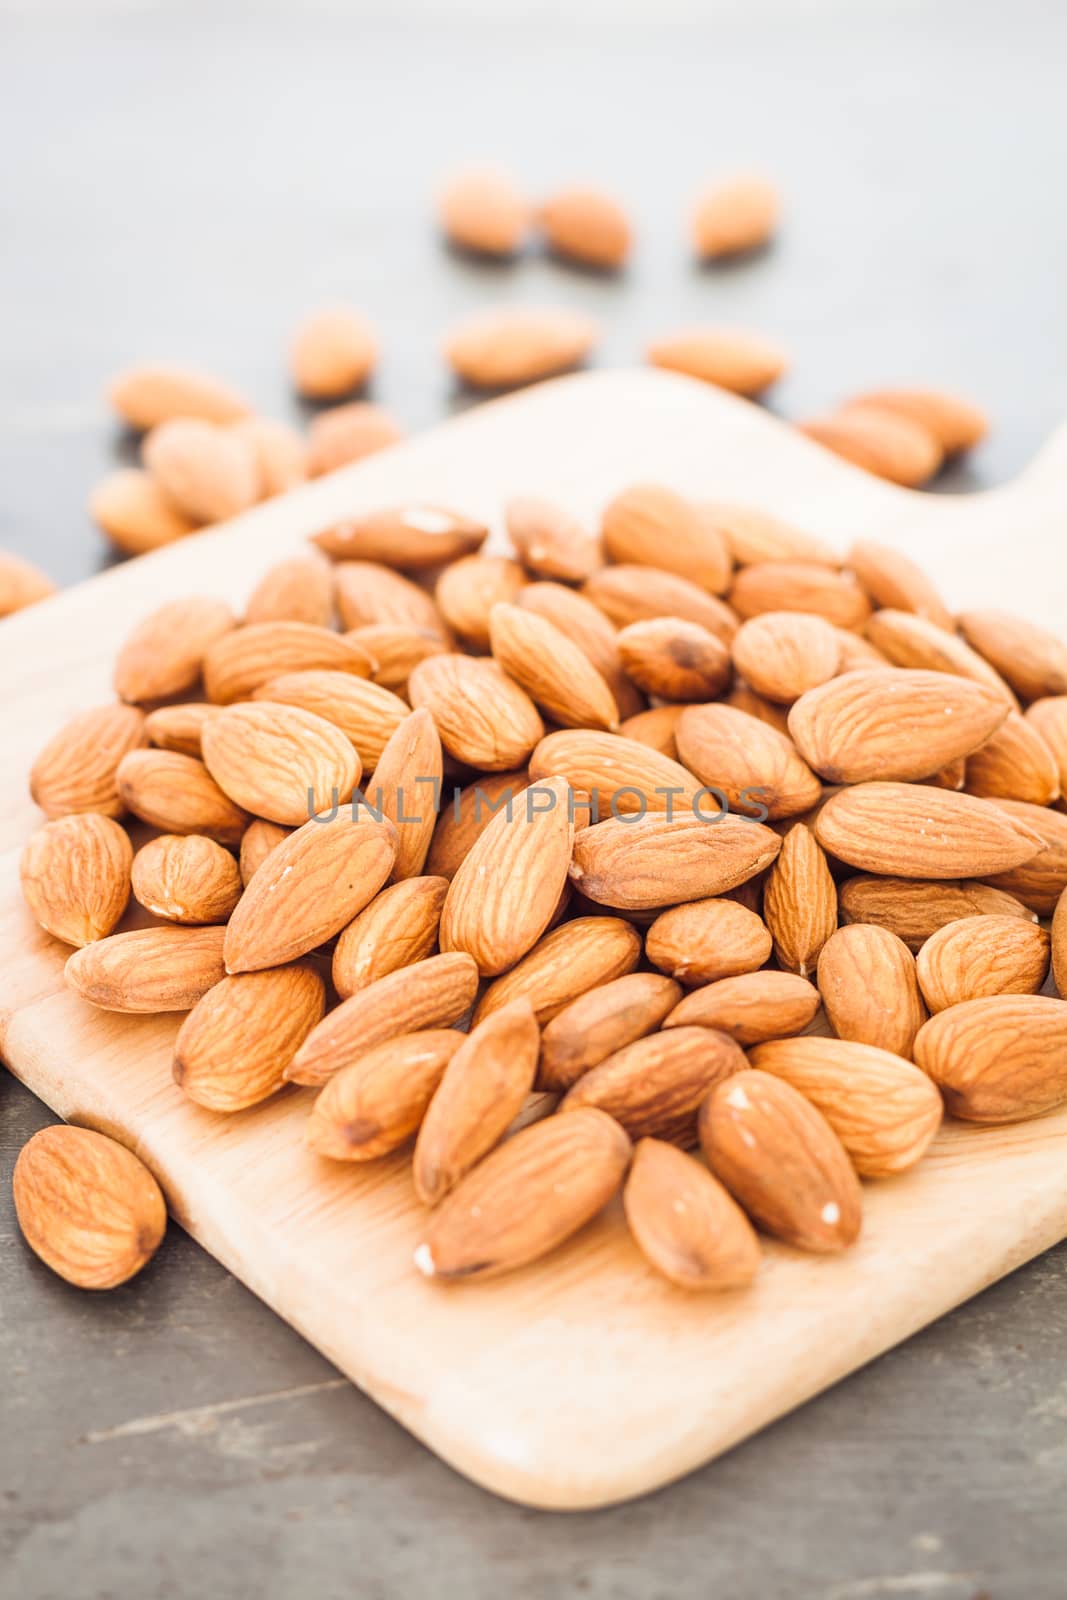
{"x": 583, "y": 1380}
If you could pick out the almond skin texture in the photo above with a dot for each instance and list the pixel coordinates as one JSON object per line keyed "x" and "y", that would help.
{"x": 234, "y": 1046}
{"x": 634, "y": 593}
{"x": 1059, "y": 945}
{"x": 781, "y": 654}
{"x": 892, "y": 580}
{"x": 467, "y": 592}
{"x": 413, "y": 535}
{"x": 869, "y": 988}
{"x": 1015, "y": 764}
{"x": 178, "y": 727}
{"x": 525, "y": 1198}
{"x": 880, "y": 441}
{"x": 152, "y": 969}
{"x": 913, "y": 830}
{"x": 186, "y": 878}
{"x": 753, "y": 535}
{"x": 884, "y": 1110}
{"x": 209, "y": 472}
{"x": 483, "y": 210}
{"x": 589, "y": 628}
{"x": 77, "y": 769}
{"x": 483, "y": 717}
{"x": 750, "y": 1008}
{"x": 148, "y": 395}
{"x": 131, "y": 508}
{"x": 651, "y": 862}
{"x": 555, "y": 673}
{"x": 244, "y": 660}
{"x": 407, "y": 779}
{"x": 164, "y": 654}
{"x": 279, "y": 762}
{"x": 911, "y": 641}
{"x": 21, "y": 584}
{"x": 375, "y": 1105}
{"x": 280, "y": 452}
{"x": 655, "y": 1086}
{"x": 588, "y": 226}
{"x": 503, "y": 348}
{"x": 87, "y": 1206}
{"x": 982, "y": 956}
{"x": 782, "y": 1161}
{"x": 1032, "y": 660}
{"x": 649, "y": 525}
{"x": 75, "y": 876}
{"x": 956, "y": 423}
{"x": 707, "y": 939}
{"x": 684, "y": 1222}
{"x": 570, "y": 960}
{"x": 892, "y": 724}
{"x": 365, "y": 713}
{"x": 549, "y": 542}
{"x": 914, "y": 910}
{"x": 735, "y": 214}
{"x": 332, "y": 354}
{"x": 398, "y": 928}
{"x": 177, "y": 794}
{"x": 600, "y": 1022}
{"x": 1048, "y": 719}
{"x": 297, "y": 590}
{"x": 397, "y": 649}
{"x": 620, "y": 775}
{"x": 800, "y": 902}
{"x": 753, "y": 765}
{"x": 674, "y": 660}
{"x": 431, "y": 994}
{"x": 257, "y": 842}
{"x": 1039, "y": 881}
{"x": 466, "y": 813}
{"x": 732, "y": 358}
{"x": 309, "y": 888}
{"x": 1000, "y": 1059}
{"x": 502, "y": 897}
{"x": 344, "y": 434}
{"x": 800, "y": 586}
{"x": 482, "y": 1092}
{"x": 369, "y": 591}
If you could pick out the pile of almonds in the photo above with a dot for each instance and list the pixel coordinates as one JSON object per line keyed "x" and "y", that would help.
{"x": 650, "y": 805}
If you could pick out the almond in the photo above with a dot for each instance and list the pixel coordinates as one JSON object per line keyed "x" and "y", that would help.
{"x": 397, "y": 649}
{"x": 858, "y": 654}
{"x": 1001, "y": 1059}
{"x": 279, "y": 762}
{"x": 633, "y": 593}
{"x": 431, "y": 994}
{"x": 87, "y": 1206}
{"x": 911, "y": 641}
{"x": 880, "y": 441}
{"x": 780, "y": 1158}
{"x": 179, "y": 727}
{"x": 746, "y": 363}
{"x": 587, "y": 626}
{"x": 525, "y": 1198}
{"x": 1032, "y": 660}
{"x": 884, "y": 1111}
{"x": 800, "y": 902}
{"x": 673, "y": 659}
{"x": 186, "y": 878}
{"x": 892, "y": 724}
{"x": 892, "y": 580}
{"x": 505, "y": 347}
{"x": 151, "y": 969}
{"x": 246, "y": 659}
{"x": 913, "y": 830}
{"x": 376, "y": 1104}
{"x": 549, "y": 542}
{"x": 1059, "y": 945}
{"x": 483, "y": 210}
{"x": 869, "y": 988}
{"x": 752, "y": 766}
{"x": 407, "y": 788}
{"x": 736, "y": 214}
{"x": 177, "y": 794}
{"x": 75, "y": 876}
{"x": 467, "y": 591}
{"x": 781, "y": 654}
{"x": 743, "y": 698}
{"x": 297, "y": 590}
{"x": 414, "y": 535}
{"x": 753, "y": 535}
{"x": 148, "y": 395}
{"x": 164, "y": 654}
{"x": 21, "y": 584}
{"x": 349, "y": 433}
{"x": 621, "y": 776}
{"x": 655, "y": 1086}
{"x": 369, "y": 592}
{"x": 398, "y": 928}
{"x": 684, "y": 1222}
{"x": 646, "y": 862}
{"x": 467, "y": 814}
{"x": 600, "y": 1022}
{"x": 483, "y": 1090}
{"x": 1048, "y": 719}
{"x": 77, "y": 769}
{"x": 1039, "y": 880}
{"x": 648, "y": 525}
{"x": 568, "y": 962}
{"x": 799, "y": 586}
{"x": 503, "y": 895}
{"x": 131, "y": 508}
{"x": 280, "y": 452}
{"x": 1015, "y": 764}
{"x": 586, "y": 225}
{"x": 209, "y": 472}
{"x": 914, "y": 910}
{"x": 982, "y": 956}
{"x": 750, "y": 1008}
{"x": 707, "y": 939}
{"x": 483, "y": 717}
{"x": 366, "y": 714}
{"x": 333, "y": 353}
{"x": 655, "y": 729}
{"x": 309, "y": 887}
{"x": 257, "y": 842}
{"x": 555, "y": 673}
{"x": 955, "y": 422}
{"x": 234, "y": 1046}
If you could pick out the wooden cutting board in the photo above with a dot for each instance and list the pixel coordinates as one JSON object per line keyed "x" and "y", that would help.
{"x": 585, "y": 1379}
